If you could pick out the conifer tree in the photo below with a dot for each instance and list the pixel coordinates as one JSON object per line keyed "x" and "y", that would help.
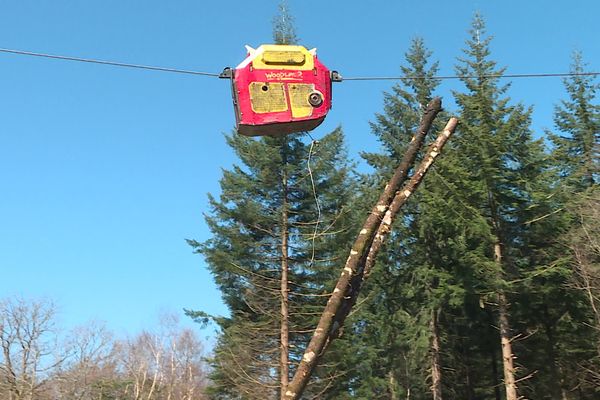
{"x": 496, "y": 147}
{"x": 548, "y": 300}
{"x": 284, "y": 29}
{"x": 427, "y": 278}
{"x": 244, "y": 253}
{"x": 577, "y": 149}
{"x": 402, "y": 109}
{"x": 398, "y": 311}
{"x": 277, "y": 227}
{"x": 564, "y": 302}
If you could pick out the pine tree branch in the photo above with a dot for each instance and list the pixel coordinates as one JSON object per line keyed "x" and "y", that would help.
{"x": 334, "y": 312}
{"x": 247, "y": 271}
{"x": 543, "y": 216}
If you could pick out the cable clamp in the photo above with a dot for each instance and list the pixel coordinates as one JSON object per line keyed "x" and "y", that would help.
{"x": 226, "y": 74}
{"x": 336, "y": 77}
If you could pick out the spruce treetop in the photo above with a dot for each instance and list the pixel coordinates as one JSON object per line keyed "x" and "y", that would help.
{"x": 578, "y": 118}
{"x": 284, "y": 29}
{"x": 419, "y": 75}
{"x": 476, "y": 66}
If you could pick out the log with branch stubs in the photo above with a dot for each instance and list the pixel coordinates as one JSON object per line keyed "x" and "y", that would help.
{"x": 367, "y": 244}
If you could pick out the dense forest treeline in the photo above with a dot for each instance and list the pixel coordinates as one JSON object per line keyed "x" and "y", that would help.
{"x": 487, "y": 288}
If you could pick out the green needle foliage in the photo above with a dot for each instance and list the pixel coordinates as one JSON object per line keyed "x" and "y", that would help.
{"x": 244, "y": 253}
{"x": 279, "y": 229}
{"x": 496, "y": 147}
{"x": 568, "y": 274}
{"x": 427, "y": 324}
{"x": 394, "y": 324}
{"x": 577, "y": 148}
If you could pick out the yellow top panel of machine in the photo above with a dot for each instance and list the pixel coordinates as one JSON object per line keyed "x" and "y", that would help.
{"x": 273, "y": 56}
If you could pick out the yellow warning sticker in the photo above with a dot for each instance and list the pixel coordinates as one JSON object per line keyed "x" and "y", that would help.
{"x": 267, "y": 97}
{"x": 283, "y": 57}
{"x": 299, "y": 93}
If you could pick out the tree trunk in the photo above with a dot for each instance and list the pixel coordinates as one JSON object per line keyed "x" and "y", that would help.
{"x": 284, "y": 330}
{"x": 493, "y": 358}
{"x": 347, "y": 287}
{"x": 507, "y": 354}
{"x": 436, "y": 365}
{"x": 510, "y": 384}
{"x": 392, "y": 384}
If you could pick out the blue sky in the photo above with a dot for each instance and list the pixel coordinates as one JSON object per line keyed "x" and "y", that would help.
{"x": 104, "y": 171}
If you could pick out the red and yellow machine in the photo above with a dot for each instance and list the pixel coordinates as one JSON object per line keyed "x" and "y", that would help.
{"x": 280, "y": 89}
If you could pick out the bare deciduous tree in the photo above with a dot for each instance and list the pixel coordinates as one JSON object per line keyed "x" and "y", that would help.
{"x": 583, "y": 241}
{"x": 165, "y": 365}
{"x": 29, "y": 348}
{"x": 91, "y": 369}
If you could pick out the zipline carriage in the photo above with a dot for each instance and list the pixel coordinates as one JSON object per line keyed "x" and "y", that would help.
{"x": 280, "y": 89}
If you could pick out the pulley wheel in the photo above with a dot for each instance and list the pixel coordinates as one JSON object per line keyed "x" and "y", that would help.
{"x": 315, "y": 99}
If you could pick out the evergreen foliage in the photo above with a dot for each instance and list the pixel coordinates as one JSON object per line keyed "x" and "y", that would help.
{"x": 284, "y": 29}
{"x": 244, "y": 253}
{"x": 577, "y": 150}
{"x": 503, "y": 233}
{"x": 568, "y": 281}
{"x": 394, "y": 324}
